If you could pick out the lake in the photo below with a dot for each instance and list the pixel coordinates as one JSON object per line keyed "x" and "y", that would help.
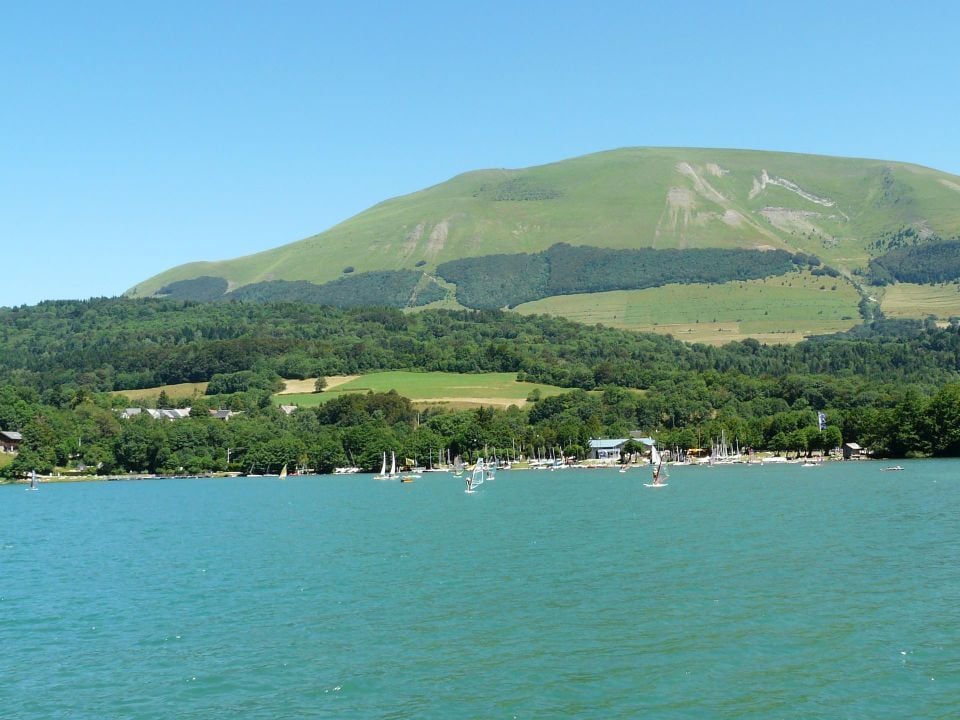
{"x": 738, "y": 591}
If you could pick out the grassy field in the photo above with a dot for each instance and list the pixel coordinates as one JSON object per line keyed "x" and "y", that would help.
{"x": 905, "y": 300}
{"x": 174, "y": 392}
{"x": 431, "y": 388}
{"x": 300, "y": 387}
{"x": 6, "y": 459}
{"x": 775, "y": 310}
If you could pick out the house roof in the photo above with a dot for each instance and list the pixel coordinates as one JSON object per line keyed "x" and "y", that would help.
{"x": 606, "y": 443}
{"x": 11, "y": 435}
{"x": 853, "y": 446}
{"x": 166, "y": 414}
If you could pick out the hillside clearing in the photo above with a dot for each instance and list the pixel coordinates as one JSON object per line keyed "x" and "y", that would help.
{"x": 299, "y": 387}
{"x": 432, "y": 388}
{"x": 906, "y": 300}
{"x": 778, "y": 310}
{"x": 174, "y": 392}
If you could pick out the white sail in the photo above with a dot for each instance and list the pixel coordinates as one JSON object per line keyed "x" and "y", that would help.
{"x": 393, "y": 463}
{"x": 382, "y": 475}
{"x": 659, "y": 473}
{"x": 476, "y": 478}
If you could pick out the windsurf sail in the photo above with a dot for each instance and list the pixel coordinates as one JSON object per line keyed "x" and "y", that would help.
{"x": 479, "y": 471}
{"x": 659, "y": 473}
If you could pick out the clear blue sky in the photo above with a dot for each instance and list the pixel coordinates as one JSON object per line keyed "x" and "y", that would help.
{"x": 138, "y": 136}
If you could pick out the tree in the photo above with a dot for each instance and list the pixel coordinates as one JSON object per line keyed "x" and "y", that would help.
{"x": 320, "y": 384}
{"x": 944, "y": 413}
{"x": 630, "y": 448}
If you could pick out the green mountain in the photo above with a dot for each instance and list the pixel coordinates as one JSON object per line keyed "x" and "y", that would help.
{"x": 843, "y": 211}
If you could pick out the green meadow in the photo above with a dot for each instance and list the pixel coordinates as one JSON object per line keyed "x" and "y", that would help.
{"x": 906, "y": 300}
{"x": 174, "y": 392}
{"x": 453, "y": 389}
{"x": 774, "y": 310}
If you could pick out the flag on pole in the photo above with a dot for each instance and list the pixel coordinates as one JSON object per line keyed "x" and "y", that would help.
{"x": 822, "y": 421}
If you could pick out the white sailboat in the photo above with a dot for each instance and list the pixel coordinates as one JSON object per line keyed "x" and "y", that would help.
{"x": 382, "y": 475}
{"x": 659, "y": 473}
{"x": 283, "y": 472}
{"x": 33, "y": 481}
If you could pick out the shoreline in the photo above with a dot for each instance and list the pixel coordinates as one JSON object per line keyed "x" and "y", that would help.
{"x": 131, "y": 477}
{"x": 128, "y": 477}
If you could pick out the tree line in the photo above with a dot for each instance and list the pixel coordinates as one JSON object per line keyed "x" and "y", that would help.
{"x": 112, "y": 344}
{"x": 506, "y": 280}
{"x": 892, "y": 385}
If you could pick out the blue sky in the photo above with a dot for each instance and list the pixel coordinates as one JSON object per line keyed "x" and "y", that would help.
{"x": 138, "y": 136}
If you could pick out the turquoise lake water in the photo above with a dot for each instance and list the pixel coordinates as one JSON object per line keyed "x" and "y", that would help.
{"x": 735, "y": 592}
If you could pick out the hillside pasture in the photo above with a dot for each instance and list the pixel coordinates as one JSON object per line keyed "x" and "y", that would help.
{"x": 779, "y": 310}
{"x": 456, "y": 390}
{"x": 907, "y": 300}
{"x": 300, "y": 387}
{"x": 176, "y": 392}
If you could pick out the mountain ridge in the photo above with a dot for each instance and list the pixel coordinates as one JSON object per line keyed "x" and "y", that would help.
{"x": 629, "y": 197}
{"x": 836, "y": 209}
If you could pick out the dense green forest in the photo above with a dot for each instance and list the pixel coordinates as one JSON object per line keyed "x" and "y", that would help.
{"x": 496, "y": 281}
{"x": 891, "y": 386}
{"x": 390, "y": 288}
{"x": 929, "y": 262}
{"x": 117, "y": 344}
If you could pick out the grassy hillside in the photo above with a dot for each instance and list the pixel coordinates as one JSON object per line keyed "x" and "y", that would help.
{"x": 906, "y": 300}
{"x": 636, "y": 197}
{"x": 431, "y": 388}
{"x": 179, "y": 391}
{"x": 775, "y": 310}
